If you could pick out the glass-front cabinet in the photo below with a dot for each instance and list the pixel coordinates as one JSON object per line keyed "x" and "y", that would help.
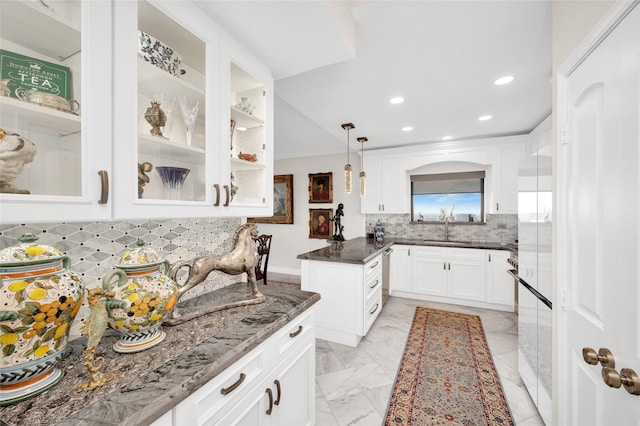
{"x": 129, "y": 109}
{"x": 186, "y": 149}
{"x": 250, "y": 149}
{"x": 55, "y": 110}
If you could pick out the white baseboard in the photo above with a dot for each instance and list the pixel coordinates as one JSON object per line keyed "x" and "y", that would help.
{"x": 284, "y": 270}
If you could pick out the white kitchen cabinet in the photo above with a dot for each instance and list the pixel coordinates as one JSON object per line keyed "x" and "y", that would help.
{"x": 449, "y": 272}
{"x": 506, "y": 201}
{"x": 400, "y": 268}
{"x": 63, "y": 178}
{"x": 351, "y": 297}
{"x": 284, "y": 364}
{"x": 464, "y": 276}
{"x": 387, "y": 185}
{"x": 88, "y": 164}
{"x": 500, "y": 288}
{"x": 214, "y": 75}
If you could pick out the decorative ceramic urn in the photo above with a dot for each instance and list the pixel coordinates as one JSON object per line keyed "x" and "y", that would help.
{"x": 144, "y": 297}
{"x": 40, "y": 299}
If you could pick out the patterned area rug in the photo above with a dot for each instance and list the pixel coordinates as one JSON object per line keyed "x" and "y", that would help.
{"x": 447, "y": 375}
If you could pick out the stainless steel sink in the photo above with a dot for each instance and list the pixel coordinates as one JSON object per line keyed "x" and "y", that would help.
{"x": 447, "y": 243}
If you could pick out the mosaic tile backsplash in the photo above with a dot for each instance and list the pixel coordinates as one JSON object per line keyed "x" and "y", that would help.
{"x": 95, "y": 247}
{"x": 499, "y": 228}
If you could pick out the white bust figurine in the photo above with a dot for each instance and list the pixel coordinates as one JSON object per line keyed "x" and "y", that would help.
{"x": 15, "y": 152}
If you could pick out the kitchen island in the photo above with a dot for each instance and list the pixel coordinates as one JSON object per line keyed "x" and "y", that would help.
{"x": 159, "y": 383}
{"x": 350, "y": 277}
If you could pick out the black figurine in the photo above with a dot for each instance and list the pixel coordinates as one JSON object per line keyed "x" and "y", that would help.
{"x": 337, "y": 235}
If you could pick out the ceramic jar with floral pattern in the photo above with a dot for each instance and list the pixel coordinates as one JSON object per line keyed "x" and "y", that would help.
{"x": 40, "y": 298}
{"x": 145, "y": 297}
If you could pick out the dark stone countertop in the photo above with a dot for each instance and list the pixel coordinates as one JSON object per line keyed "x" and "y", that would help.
{"x": 153, "y": 381}
{"x": 360, "y": 251}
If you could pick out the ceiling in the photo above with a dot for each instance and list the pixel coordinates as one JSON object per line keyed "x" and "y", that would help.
{"x": 341, "y": 61}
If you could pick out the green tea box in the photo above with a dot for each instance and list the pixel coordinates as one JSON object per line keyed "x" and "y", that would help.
{"x": 30, "y": 73}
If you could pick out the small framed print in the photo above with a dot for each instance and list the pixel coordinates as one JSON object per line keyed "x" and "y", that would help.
{"x": 282, "y": 202}
{"x": 321, "y": 187}
{"x": 320, "y": 223}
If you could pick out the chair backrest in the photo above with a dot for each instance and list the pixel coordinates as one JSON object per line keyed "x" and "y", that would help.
{"x": 263, "y": 245}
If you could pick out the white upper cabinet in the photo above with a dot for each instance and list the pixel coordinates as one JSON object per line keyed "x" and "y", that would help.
{"x": 247, "y": 139}
{"x": 387, "y": 185}
{"x": 56, "y": 95}
{"x": 136, "y": 122}
{"x": 178, "y": 86}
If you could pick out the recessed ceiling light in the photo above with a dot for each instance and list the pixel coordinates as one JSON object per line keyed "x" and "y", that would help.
{"x": 242, "y": 129}
{"x": 503, "y": 80}
{"x": 485, "y": 118}
{"x": 397, "y": 100}
{"x": 447, "y": 138}
{"x": 407, "y": 129}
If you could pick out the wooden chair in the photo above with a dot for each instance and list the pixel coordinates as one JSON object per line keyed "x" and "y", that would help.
{"x": 263, "y": 243}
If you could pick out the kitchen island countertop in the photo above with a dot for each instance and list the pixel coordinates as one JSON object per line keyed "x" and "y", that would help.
{"x": 152, "y": 382}
{"x": 359, "y": 250}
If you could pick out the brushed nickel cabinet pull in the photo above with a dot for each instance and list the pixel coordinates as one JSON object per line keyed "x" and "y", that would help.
{"x": 228, "y": 192}
{"x": 104, "y": 187}
{"x": 226, "y": 391}
{"x": 277, "y": 401}
{"x": 270, "y": 401}
{"x": 489, "y": 257}
{"x": 217, "y": 187}
{"x": 295, "y": 333}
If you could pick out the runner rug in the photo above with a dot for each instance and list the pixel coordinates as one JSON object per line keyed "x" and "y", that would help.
{"x": 447, "y": 375}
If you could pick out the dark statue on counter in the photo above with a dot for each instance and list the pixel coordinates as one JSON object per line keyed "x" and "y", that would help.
{"x": 337, "y": 235}
{"x": 242, "y": 259}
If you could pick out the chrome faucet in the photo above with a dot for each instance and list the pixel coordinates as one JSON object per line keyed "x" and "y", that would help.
{"x": 446, "y": 218}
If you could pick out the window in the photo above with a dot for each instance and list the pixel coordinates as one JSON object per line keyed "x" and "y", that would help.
{"x": 461, "y": 192}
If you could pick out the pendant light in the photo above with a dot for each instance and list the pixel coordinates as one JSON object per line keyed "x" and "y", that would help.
{"x": 363, "y": 175}
{"x": 348, "y": 170}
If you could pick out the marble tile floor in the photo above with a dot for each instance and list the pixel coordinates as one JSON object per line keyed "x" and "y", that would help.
{"x": 353, "y": 385}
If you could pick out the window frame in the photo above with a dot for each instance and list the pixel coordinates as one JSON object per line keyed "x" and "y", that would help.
{"x": 478, "y": 174}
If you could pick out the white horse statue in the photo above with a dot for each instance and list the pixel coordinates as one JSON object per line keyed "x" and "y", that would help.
{"x": 243, "y": 258}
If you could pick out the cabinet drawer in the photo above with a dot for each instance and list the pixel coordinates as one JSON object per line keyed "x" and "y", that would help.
{"x": 221, "y": 393}
{"x": 296, "y": 332}
{"x": 372, "y": 268}
{"x": 372, "y": 311}
{"x": 372, "y": 286}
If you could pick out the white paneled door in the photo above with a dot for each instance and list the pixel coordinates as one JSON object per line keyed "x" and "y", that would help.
{"x": 598, "y": 231}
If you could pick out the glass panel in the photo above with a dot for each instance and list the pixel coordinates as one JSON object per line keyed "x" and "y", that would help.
{"x": 40, "y": 117}
{"x": 247, "y": 138}
{"x": 426, "y": 207}
{"x": 171, "y": 108}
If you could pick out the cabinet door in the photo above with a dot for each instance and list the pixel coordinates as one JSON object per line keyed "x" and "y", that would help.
{"x": 499, "y": 283}
{"x": 507, "y": 200}
{"x": 395, "y": 186}
{"x": 251, "y": 411}
{"x": 56, "y": 95}
{"x": 296, "y": 396}
{"x": 246, "y": 132}
{"x": 465, "y": 270}
{"x": 429, "y": 273}
{"x": 165, "y": 83}
{"x": 400, "y": 278}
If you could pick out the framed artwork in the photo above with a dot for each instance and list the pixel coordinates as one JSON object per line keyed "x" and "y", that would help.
{"x": 321, "y": 188}
{"x": 282, "y": 202}
{"x": 319, "y": 223}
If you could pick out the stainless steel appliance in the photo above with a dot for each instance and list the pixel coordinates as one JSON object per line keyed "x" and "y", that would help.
{"x": 533, "y": 272}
